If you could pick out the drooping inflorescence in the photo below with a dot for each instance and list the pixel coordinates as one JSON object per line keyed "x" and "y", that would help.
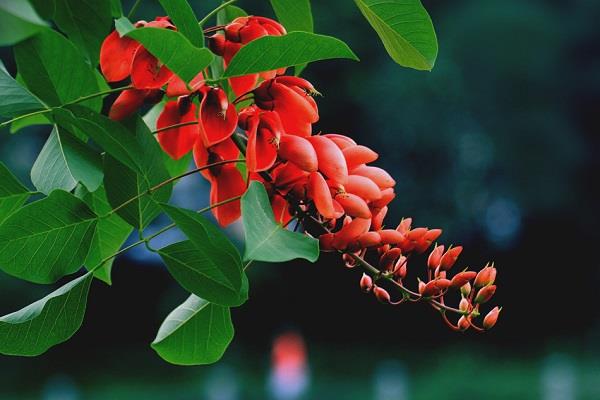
{"x": 324, "y": 181}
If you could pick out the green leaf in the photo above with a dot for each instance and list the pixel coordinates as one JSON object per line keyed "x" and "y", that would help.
{"x": 208, "y": 264}
{"x": 405, "y": 29}
{"x": 18, "y": 21}
{"x": 47, "y": 239}
{"x": 55, "y": 70}
{"x": 116, "y": 8}
{"x": 272, "y": 52}
{"x": 185, "y": 20}
{"x": 12, "y": 193}
{"x": 171, "y": 47}
{"x": 15, "y": 99}
{"x": 229, "y": 13}
{"x": 63, "y": 162}
{"x": 39, "y": 119}
{"x": 86, "y": 23}
{"x": 32, "y": 330}
{"x": 195, "y": 333}
{"x": 110, "y": 235}
{"x": 294, "y": 15}
{"x": 266, "y": 240}
{"x": 123, "y": 183}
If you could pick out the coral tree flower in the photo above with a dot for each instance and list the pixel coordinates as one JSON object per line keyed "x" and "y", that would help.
{"x": 238, "y": 33}
{"x": 264, "y": 130}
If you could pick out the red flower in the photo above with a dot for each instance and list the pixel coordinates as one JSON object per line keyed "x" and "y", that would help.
{"x": 218, "y": 119}
{"x": 129, "y": 101}
{"x": 264, "y": 131}
{"x": 178, "y": 141}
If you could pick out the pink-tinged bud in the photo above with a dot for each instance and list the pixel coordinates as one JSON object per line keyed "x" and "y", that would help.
{"x": 416, "y": 234}
{"x": 433, "y": 234}
{"x": 377, "y": 175}
{"x": 434, "y": 258}
{"x": 363, "y": 187}
{"x": 439, "y": 273}
{"x": 431, "y": 289}
{"x": 358, "y": 155}
{"x": 341, "y": 141}
{"x": 325, "y": 242}
{"x": 366, "y": 283}
{"x": 387, "y": 260}
{"x": 491, "y": 318}
{"x": 351, "y": 232}
{"x": 462, "y": 278}
{"x": 391, "y": 236}
{"x": 442, "y": 283}
{"x": 485, "y": 294}
{"x": 353, "y": 205}
{"x": 401, "y": 268}
{"x": 465, "y": 289}
{"x": 421, "y": 287}
{"x": 404, "y": 226}
{"x": 331, "y": 159}
{"x": 378, "y": 217}
{"x": 450, "y": 257}
{"x": 485, "y": 277}
{"x": 318, "y": 191}
{"x": 464, "y": 305}
{"x": 381, "y": 294}
{"x": 387, "y": 195}
{"x": 349, "y": 261}
{"x": 299, "y": 151}
{"x": 369, "y": 239}
{"x": 463, "y": 323}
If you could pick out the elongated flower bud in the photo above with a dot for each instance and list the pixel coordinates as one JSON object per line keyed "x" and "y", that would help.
{"x": 450, "y": 257}
{"x": 462, "y": 278}
{"x": 485, "y": 277}
{"x": 491, "y": 318}
{"x": 485, "y": 294}
{"x": 381, "y": 294}
{"x": 464, "y": 305}
{"x": 463, "y": 323}
{"x": 434, "y": 258}
{"x": 465, "y": 289}
{"x": 366, "y": 283}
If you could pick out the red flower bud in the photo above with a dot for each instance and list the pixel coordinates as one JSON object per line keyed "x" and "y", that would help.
{"x": 299, "y": 151}
{"x": 341, "y": 141}
{"x": 404, "y": 226}
{"x": 325, "y": 242}
{"x": 350, "y": 232}
{"x": 464, "y": 305}
{"x": 491, "y": 318}
{"x": 318, "y": 191}
{"x": 485, "y": 277}
{"x": 387, "y": 260}
{"x": 391, "y": 236}
{"x": 465, "y": 290}
{"x": 462, "y": 278}
{"x": 485, "y": 294}
{"x": 369, "y": 239}
{"x": 463, "y": 323}
{"x": 430, "y": 289}
{"x": 378, "y": 217}
{"x": 366, "y": 283}
{"x": 421, "y": 287}
{"x": 377, "y": 175}
{"x": 381, "y": 294}
{"x": 331, "y": 159}
{"x": 450, "y": 257}
{"x": 349, "y": 261}
{"x": 387, "y": 195}
{"x": 401, "y": 268}
{"x": 358, "y": 155}
{"x": 363, "y": 187}
{"x": 434, "y": 258}
{"x": 353, "y": 205}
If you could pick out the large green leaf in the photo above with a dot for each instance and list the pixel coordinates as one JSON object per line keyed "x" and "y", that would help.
{"x": 110, "y": 235}
{"x": 12, "y": 193}
{"x": 86, "y": 23}
{"x": 123, "y": 183}
{"x": 266, "y": 240}
{"x": 47, "y": 239}
{"x": 405, "y": 29}
{"x": 18, "y": 21}
{"x": 195, "y": 333}
{"x": 55, "y": 70}
{"x": 15, "y": 99}
{"x": 272, "y": 52}
{"x": 229, "y": 13}
{"x": 185, "y": 20}
{"x": 32, "y": 330}
{"x": 170, "y": 47}
{"x": 294, "y": 15}
{"x": 64, "y": 161}
{"x": 207, "y": 265}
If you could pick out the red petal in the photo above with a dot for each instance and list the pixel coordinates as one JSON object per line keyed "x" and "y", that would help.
{"x": 377, "y": 175}
{"x": 342, "y": 141}
{"x": 350, "y": 232}
{"x": 357, "y": 155}
{"x": 331, "y": 159}
{"x": 147, "y": 72}
{"x": 297, "y": 111}
{"x": 116, "y": 56}
{"x": 285, "y": 176}
{"x": 318, "y": 191}
{"x": 353, "y": 205}
{"x": 177, "y": 142}
{"x": 227, "y": 185}
{"x": 281, "y": 209}
{"x": 177, "y": 86}
{"x": 243, "y": 84}
{"x": 363, "y": 187}
{"x": 299, "y": 151}
{"x": 217, "y": 123}
{"x": 261, "y": 152}
{"x": 128, "y": 102}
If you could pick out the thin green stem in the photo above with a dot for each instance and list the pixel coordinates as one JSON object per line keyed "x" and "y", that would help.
{"x": 215, "y": 11}
{"x": 134, "y": 8}
{"x": 40, "y": 112}
{"x": 166, "y": 128}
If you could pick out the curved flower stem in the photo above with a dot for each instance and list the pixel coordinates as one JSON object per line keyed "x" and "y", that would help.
{"x": 168, "y": 181}
{"x": 215, "y": 11}
{"x": 70, "y": 103}
{"x": 182, "y": 124}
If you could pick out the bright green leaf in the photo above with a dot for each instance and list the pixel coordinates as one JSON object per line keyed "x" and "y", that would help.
{"x": 63, "y": 162}
{"x": 110, "y": 235}
{"x": 12, "y": 193}
{"x": 405, "y": 29}
{"x": 229, "y": 13}
{"x": 195, "y": 333}
{"x": 123, "y": 183}
{"x": 273, "y": 52}
{"x": 32, "y": 330}
{"x": 39, "y": 119}
{"x": 47, "y": 239}
{"x": 185, "y": 20}
{"x": 294, "y": 15}
{"x": 55, "y": 70}
{"x": 15, "y": 99}
{"x": 170, "y": 47}
{"x": 116, "y": 8}
{"x": 208, "y": 264}
{"x": 266, "y": 240}
{"x": 18, "y": 21}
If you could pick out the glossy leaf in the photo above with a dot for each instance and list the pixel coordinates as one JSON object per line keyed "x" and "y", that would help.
{"x": 294, "y": 15}
{"x": 123, "y": 183}
{"x": 47, "y": 239}
{"x": 208, "y": 264}
{"x": 266, "y": 240}
{"x": 63, "y": 162}
{"x": 170, "y": 47}
{"x": 32, "y": 330}
{"x": 12, "y": 193}
{"x": 273, "y": 52}
{"x": 15, "y": 99}
{"x": 110, "y": 235}
{"x": 195, "y": 333}
{"x": 55, "y": 70}
{"x": 18, "y": 21}
{"x": 185, "y": 20}
{"x": 86, "y": 23}
{"x": 405, "y": 29}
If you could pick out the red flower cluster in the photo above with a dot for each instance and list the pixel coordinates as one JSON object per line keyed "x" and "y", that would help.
{"x": 325, "y": 180}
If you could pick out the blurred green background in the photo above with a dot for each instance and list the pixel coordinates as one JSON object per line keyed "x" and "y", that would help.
{"x": 498, "y": 145}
